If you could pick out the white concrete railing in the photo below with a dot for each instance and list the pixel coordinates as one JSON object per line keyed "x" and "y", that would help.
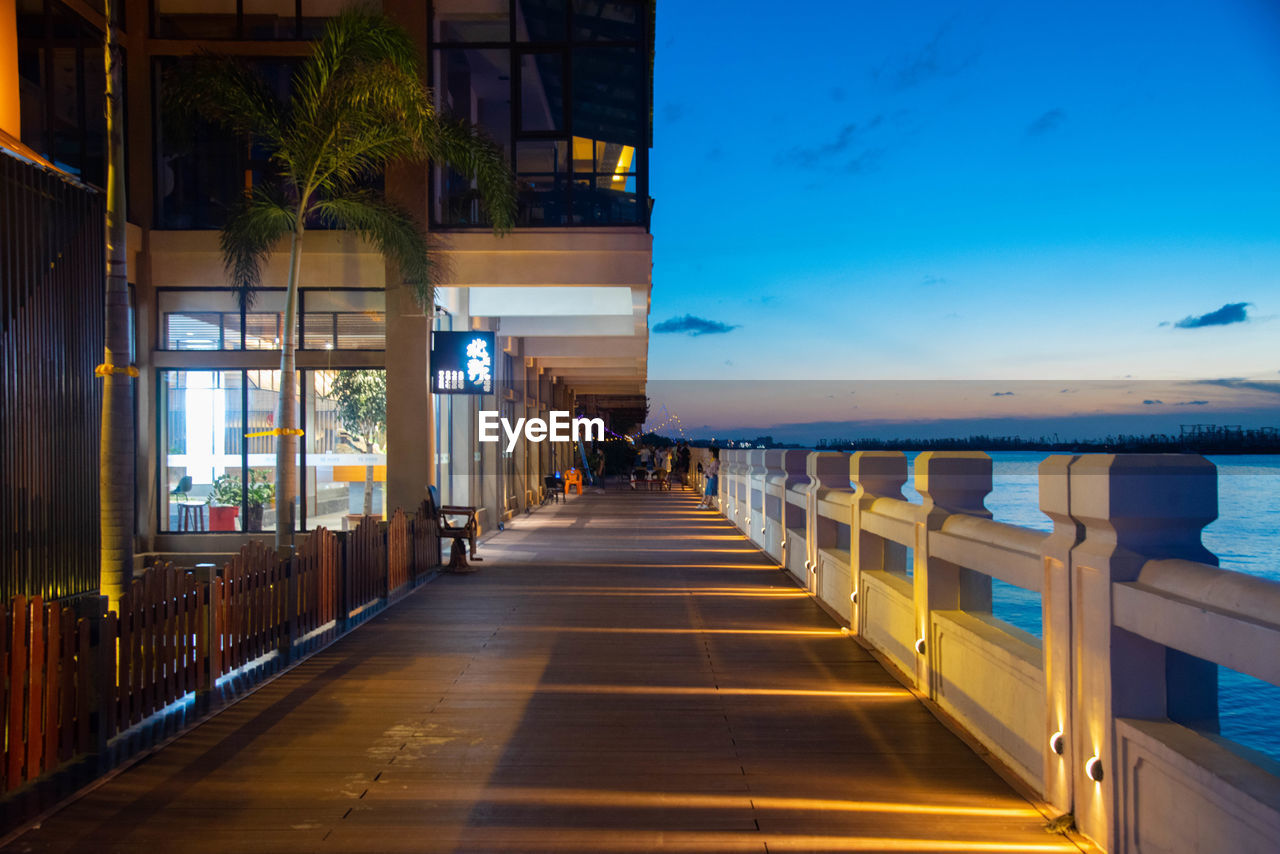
{"x": 1107, "y": 716}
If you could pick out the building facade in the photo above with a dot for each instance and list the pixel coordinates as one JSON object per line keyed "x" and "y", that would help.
{"x": 562, "y": 85}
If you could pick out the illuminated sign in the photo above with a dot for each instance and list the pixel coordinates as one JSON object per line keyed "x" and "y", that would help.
{"x": 462, "y": 362}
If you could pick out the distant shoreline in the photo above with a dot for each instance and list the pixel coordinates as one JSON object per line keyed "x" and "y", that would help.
{"x": 1218, "y": 445}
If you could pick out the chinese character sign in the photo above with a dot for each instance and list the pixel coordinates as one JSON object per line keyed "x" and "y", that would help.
{"x": 462, "y": 362}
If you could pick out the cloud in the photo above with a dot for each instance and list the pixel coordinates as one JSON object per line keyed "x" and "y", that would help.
{"x": 693, "y": 326}
{"x": 930, "y": 280}
{"x": 929, "y": 62}
{"x": 1002, "y": 394}
{"x": 1153, "y": 403}
{"x": 1232, "y": 312}
{"x": 1047, "y": 122}
{"x": 1271, "y": 387}
{"x": 866, "y": 161}
{"x": 1192, "y": 403}
{"x": 847, "y": 139}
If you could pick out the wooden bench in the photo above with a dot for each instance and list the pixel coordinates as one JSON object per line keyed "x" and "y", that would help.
{"x": 468, "y": 528}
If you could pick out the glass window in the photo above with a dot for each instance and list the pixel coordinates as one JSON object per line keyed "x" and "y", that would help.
{"x": 316, "y": 14}
{"x": 269, "y": 19}
{"x": 262, "y": 396}
{"x": 543, "y": 200}
{"x": 204, "y": 330}
{"x": 346, "y": 436}
{"x": 344, "y": 320}
{"x": 570, "y": 106}
{"x": 199, "y": 320}
{"x": 201, "y": 437}
{"x": 608, "y": 94}
{"x": 541, "y": 20}
{"x": 472, "y": 21}
{"x": 607, "y": 20}
{"x": 195, "y": 19}
{"x": 62, "y": 86}
{"x": 200, "y": 170}
{"x": 541, "y": 92}
{"x": 549, "y": 156}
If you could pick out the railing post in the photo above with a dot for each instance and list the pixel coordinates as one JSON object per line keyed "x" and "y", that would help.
{"x": 726, "y": 485}
{"x": 753, "y": 518}
{"x": 950, "y": 482}
{"x": 827, "y": 471}
{"x": 1133, "y": 508}
{"x": 1055, "y": 620}
{"x": 874, "y": 474}
{"x": 792, "y": 475}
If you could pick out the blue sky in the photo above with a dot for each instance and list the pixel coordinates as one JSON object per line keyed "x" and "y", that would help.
{"x": 995, "y": 191}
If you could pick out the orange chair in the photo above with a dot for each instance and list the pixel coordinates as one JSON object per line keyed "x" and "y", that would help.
{"x": 572, "y": 478}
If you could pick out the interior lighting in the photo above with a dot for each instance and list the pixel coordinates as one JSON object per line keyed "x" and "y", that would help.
{"x": 1057, "y": 742}
{"x": 853, "y": 597}
{"x": 920, "y": 646}
{"x": 1094, "y": 769}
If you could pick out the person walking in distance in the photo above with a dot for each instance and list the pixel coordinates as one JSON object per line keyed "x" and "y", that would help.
{"x": 712, "y": 474}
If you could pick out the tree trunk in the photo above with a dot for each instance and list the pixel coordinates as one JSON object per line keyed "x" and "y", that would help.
{"x": 368, "y": 490}
{"x": 287, "y": 409}
{"x": 116, "y": 467}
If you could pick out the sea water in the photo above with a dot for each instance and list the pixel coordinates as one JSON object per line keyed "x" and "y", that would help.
{"x": 1245, "y": 537}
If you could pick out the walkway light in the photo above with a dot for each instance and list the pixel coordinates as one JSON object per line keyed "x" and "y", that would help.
{"x": 1057, "y": 742}
{"x": 1094, "y": 769}
{"x": 920, "y": 646}
{"x": 853, "y": 597}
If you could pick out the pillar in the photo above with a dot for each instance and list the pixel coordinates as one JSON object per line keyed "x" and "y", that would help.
{"x": 1133, "y": 508}
{"x": 950, "y": 482}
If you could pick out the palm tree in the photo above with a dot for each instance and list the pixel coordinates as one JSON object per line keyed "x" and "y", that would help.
{"x": 115, "y": 471}
{"x": 357, "y": 104}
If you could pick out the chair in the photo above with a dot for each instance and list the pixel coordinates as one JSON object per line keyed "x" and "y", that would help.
{"x": 180, "y": 491}
{"x": 467, "y": 530}
{"x": 552, "y": 487}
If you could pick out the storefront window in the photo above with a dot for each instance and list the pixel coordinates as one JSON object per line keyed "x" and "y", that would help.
{"x": 217, "y": 475}
{"x": 346, "y": 441}
{"x": 201, "y": 434}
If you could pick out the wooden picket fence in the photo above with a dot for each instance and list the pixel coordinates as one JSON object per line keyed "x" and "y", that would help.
{"x": 399, "y": 552}
{"x": 46, "y": 698}
{"x": 315, "y": 572}
{"x": 160, "y": 634}
{"x": 426, "y": 539}
{"x": 366, "y": 564}
{"x": 69, "y": 683}
{"x": 249, "y": 608}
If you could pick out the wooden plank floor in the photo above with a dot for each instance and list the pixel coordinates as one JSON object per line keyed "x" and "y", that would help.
{"x": 625, "y": 673}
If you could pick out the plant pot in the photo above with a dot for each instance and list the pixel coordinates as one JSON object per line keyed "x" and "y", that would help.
{"x": 253, "y": 518}
{"x": 222, "y": 518}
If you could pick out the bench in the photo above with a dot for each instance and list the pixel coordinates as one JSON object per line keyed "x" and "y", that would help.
{"x": 456, "y": 523}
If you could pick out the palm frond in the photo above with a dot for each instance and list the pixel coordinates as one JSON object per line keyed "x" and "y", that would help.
{"x": 354, "y": 38}
{"x": 396, "y": 233}
{"x": 256, "y": 224}
{"x": 227, "y": 93}
{"x": 469, "y": 151}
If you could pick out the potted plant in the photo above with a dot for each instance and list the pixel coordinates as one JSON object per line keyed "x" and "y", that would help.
{"x": 224, "y": 503}
{"x": 261, "y": 493}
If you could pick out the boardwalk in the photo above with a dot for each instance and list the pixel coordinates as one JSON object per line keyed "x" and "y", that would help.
{"x": 624, "y": 674}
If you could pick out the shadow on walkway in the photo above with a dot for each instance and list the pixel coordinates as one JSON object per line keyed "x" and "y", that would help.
{"x": 624, "y": 673}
